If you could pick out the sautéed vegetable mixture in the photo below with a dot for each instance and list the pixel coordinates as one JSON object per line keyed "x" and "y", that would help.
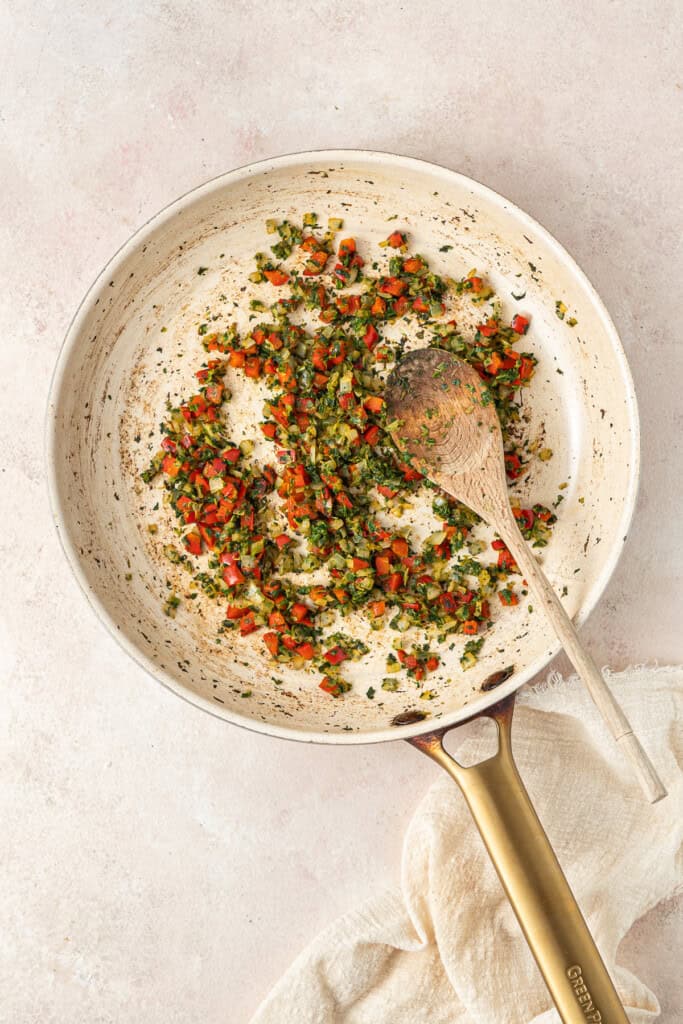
{"x": 292, "y": 546}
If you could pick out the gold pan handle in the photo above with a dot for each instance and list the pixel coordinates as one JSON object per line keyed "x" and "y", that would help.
{"x": 529, "y": 871}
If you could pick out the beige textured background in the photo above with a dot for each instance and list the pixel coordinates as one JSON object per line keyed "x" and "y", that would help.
{"x": 157, "y": 865}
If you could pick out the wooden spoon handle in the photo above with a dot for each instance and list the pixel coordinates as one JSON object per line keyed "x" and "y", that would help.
{"x": 613, "y": 715}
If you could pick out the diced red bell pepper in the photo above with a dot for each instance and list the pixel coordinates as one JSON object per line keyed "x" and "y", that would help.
{"x": 232, "y": 574}
{"x": 394, "y": 582}
{"x": 315, "y": 262}
{"x": 392, "y": 286}
{"x": 276, "y": 277}
{"x": 319, "y": 357}
{"x": 197, "y": 405}
{"x": 513, "y": 466}
{"x": 193, "y": 543}
{"x": 505, "y": 560}
{"x": 214, "y": 393}
{"x": 400, "y": 547}
{"x": 497, "y": 362}
{"x": 525, "y": 516}
{"x": 347, "y": 400}
{"x": 234, "y": 611}
{"x": 331, "y": 686}
{"x": 335, "y": 655}
{"x": 185, "y": 506}
{"x": 382, "y": 565}
{"x": 448, "y": 603}
{"x": 374, "y": 404}
{"x": 348, "y": 304}
{"x": 299, "y": 612}
{"x": 489, "y": 329}
{"x": 335, "y": 360}
{"x": 252, "y": 367}
{"x": 371, "y": 337}
{"x": 276, "y": 620}
{"x": 214, "y": 467}
{"x": 272, "y": 642}
{"x": 170, "y": 465}
{"x": 526, "y": 370}
{"x": 247, "y": 624}
{"x": 409, "y": 473}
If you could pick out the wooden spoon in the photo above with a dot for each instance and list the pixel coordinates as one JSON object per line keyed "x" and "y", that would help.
{"x": 441, "y": 413}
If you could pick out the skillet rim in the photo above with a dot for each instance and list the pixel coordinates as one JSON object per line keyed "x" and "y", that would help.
{"x": 60, "y": 516}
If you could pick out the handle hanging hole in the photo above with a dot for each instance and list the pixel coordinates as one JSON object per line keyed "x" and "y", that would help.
{"x": 473, "y": 742}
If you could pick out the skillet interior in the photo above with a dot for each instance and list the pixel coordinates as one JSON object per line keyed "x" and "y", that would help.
{"x": 118, "y": 367}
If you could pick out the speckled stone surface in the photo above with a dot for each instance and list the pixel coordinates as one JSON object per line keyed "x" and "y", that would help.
{"x": 158, "y": 865}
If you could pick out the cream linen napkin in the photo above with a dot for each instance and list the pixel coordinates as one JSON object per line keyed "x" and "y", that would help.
{"x": 446, "y": 948}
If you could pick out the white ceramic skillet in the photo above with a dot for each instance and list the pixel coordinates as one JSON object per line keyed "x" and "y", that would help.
{"x": 133, "y": 343}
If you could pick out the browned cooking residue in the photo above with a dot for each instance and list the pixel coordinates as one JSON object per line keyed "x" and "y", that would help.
{"x": 496, "y": 678}
{"x": 408, "y": 718}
